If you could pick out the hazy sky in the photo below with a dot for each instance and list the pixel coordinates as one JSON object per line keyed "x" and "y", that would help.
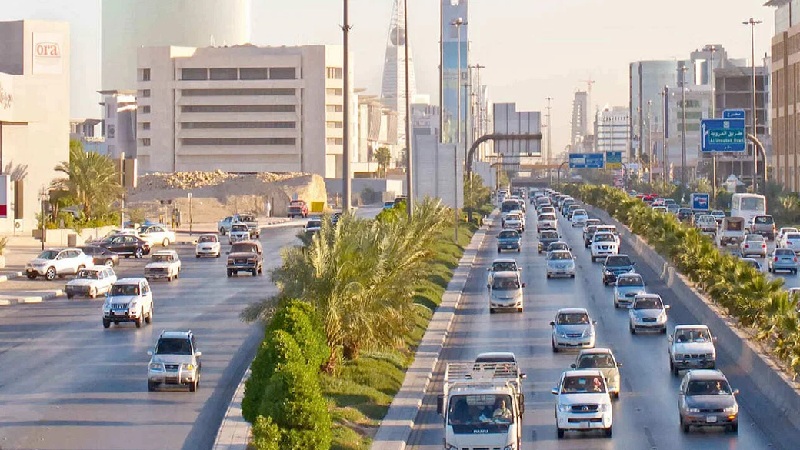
{"x": 532, "y": 49}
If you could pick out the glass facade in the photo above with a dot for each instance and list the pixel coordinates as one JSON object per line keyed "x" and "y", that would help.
{"x": 455, "y": 47}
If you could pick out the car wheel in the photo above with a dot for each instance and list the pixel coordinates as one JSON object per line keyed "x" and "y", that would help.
{"x": 609, "y": 432}
{"x": 93, "y": 293}
{"x": 675, "y": 370}
{"x": 221, "y": 231}
{"x": 548, "y": 276}
{"x": 261, "y": 271}
{"x": 193, "y": 387}
{"x": 230, "y": 273}
{"x": 50, "y": 275}
{"x": 197, "y": 256}
{"x": 560, "y": 433}
{"x": 632, "y": 329}
{"x": 519, "y": 249}
{"x": 769, "y": 269}
{"x": 491, "y": 310}
{"x": 169, "y": 278}
{"x": 217, "y": 255}
{"x": 106, "y": 323}
{"x": 498, "y": 250}
{"x": 684, "y": 426}
{"x": 149, "y": 318}
{"x": 32, "y": 275}
{"x": 519, "y": 310}
{"x": 69, "y": 296}
{"x": 555, "y": 348}
{"x": 151, "y": 386}
{"x": 733, "y": 428}
{"x": 664, "y": 330}
{"x": 165, "y": 242}
{"x": 139, "y": 253}
{"x": 139, "y": 320}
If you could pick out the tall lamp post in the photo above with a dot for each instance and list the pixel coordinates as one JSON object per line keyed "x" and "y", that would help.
{"x": 712, "y": 82}
{"x": 683, "y": 125}
{"x": 346, "y": 110}
{"x": 409, "y": 157}
{"x": 548, "y": 156}
{"x": 752, "y": 22}
{"x": 457, "y": 23}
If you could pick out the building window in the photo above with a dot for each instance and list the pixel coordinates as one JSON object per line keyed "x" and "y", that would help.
{"x": 144, "y": 109}
{"x": 282, "y": 73}
{"x": 145, "y": 142}
{"x": 238, "y": 141}
{"x": 145, "y": 125}
{"x": 111, "y": 132}
{"x": 254, "y": 73}
{"x": 335, "y": 141}
{"x": 224, "y": 74}
{"x": 334, "y": 108}
{"x": 144, "y": 93}
{"x": 244, "y": 91}
{"x": 211, "y": 125}
{"x": 144, "y": 75}
{"x": 334, "y": 73}
{"x": 331, "y": 124}
{"x": 334, "y": 91}
{"x": 194, "y": 74}
{"x": 236, "y": 108}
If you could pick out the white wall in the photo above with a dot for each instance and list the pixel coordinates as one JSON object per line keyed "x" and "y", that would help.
{"x": 434, "y": 171}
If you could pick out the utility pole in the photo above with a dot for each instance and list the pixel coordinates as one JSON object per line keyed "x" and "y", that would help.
{"x": 712, "y": 81}
{"x": 346, "y": 111}
{"x": 457, "y": 23}
{"x": 650, "y": 141}
{"x": 683, "y": 126}
{"x": 476, "y": 98}
{"x": 549, "y": 134}
{"x": 752, "y": 22}
{"x": 409, "y": 157}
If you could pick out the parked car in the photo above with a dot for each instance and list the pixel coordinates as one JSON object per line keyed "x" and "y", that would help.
{"x": 239, "y": 232}
{"x": 246, "y": 256}
{"x": 127, "y": 246}
{"x": 614, "y": 266}
{"x": 628, "y": 286}
{"x": 130, "y": 300}
{"x": 297, "y": 208}
{"x": 174, "y": 361}
{"x": 572, "y": 328}
{"x": 501, "y": 265}
{"x": 157, "y": 234}
{"x": 163, "y": 264}
{"x": 754, "y": 244}
{"x": 647, "y": 312}
{"x": 101, "y": 256}
{"x": 691, "y": 347}
{"x": 91, "y": 282}
{"x": 763, "y": 225}
{"x": 208, "y": 245}
{"x": 783, "y": 259}
{"x": 560, "y": 263}
{"x": 583, "y": 402}
{"x": 602, "y": 359}
{"x": 55, "y": 262}
{"x": 707, "y": 399}
{"x": 506, "y": 292}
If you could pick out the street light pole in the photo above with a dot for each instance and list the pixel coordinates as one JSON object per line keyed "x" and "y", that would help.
{"x": 409, "y": 157}
{"x": 752, "y": 22}
{"x": 457, "y": 23}
{"x": 547, "y": 155}
{"x": 683, "y": 125}
{"x": 712, "y": 81}
{"x": 650, "y": 141}
{"x": 346, "y": 110}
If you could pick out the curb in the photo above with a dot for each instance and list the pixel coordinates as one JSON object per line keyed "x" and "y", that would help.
{"x": 10, "y": 276}
{"x": 397, "y": 425}
{"x": 8, "y": 300}
{"x": 234, "y": 431}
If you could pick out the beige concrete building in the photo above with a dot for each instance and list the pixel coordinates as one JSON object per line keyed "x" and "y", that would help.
{"x": 242, "y": 109}
{"x": 34, "y": 114}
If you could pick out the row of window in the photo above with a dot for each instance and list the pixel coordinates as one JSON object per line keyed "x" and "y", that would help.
{"x": 237, "y": 108}
{"x": 331, "y": 124}
{"x": 233, "y": 73}
{"x": 222, "y": 92}
{"x": 334, "y": 108}
{"x": 335, "y": 141}
{"x": 238, "y": 141}
{"x": 218, "y": 125}
{"x": 334, "y": 91}
{"x": 334, "y": 73}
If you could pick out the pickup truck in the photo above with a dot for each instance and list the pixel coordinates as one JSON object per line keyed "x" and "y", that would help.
{"x": 707, "y": 224}
{"x": 298, "y": 208}
{"x": 763, "y": 225}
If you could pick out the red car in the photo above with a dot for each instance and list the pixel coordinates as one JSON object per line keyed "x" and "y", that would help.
{"x": 298, "y": 208}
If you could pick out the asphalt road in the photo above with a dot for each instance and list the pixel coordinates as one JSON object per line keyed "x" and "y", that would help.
{"x": 645, "y": 416}
{"x": 66, "y": 383}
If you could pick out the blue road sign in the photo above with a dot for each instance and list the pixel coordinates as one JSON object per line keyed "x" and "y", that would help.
{"x": 586, "y": 160}
{"x": 733, "y": 114}
{"x": 613, "y": 160}
{"x": 723, "y": 135}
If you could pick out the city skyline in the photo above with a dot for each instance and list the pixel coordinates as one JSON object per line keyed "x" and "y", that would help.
{"x": 569, "y": 42}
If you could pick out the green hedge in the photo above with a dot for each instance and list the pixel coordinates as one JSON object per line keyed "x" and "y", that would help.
{"x": 739, "y": 289}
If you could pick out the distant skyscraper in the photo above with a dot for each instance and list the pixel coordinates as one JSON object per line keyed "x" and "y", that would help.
{"x": 455, "y": 47}
{"x": 393, "y": 91}
{"x": 580, "y": 117}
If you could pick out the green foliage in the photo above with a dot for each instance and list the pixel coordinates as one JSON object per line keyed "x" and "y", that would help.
{"x": 384, "y": 156}
{"x": 92, "y": 180}
{"x": 299, "y": 319}
{"x": 477, "y": 197}
{"x": 266, "y": 434}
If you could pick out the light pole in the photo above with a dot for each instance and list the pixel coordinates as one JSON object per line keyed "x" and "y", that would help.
{"x": 409, "y": 157}
{"x": 683, "y": 125}
{"x": 650, "y": 141}
{"x": 346, "y": 110}
{"x": 713, "y": 49}
{"x": 547, "y": 154}
{"x": 752, "y": 22}
{"x": 42, "y": 200}
{"x": 664, "y": 125}
{"x": 457, "y": 23}
{"x": 190, "y": 213}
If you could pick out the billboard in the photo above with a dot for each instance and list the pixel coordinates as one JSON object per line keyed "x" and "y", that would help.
{"x": 47, "y": 49}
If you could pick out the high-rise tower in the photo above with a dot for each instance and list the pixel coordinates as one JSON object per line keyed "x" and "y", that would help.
{"x": 580, "y": 117}
{"x": 393, "y": 91}
{"x": 455, "y": 63}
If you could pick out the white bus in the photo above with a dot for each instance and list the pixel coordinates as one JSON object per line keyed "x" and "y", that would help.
{"x": 748, "y": 206}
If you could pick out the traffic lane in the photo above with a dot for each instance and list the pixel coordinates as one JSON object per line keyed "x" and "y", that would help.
{"x": 69, "y": 384}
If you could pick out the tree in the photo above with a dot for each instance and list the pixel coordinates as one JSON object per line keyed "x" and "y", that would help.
{"x": 91, "y": 178}
{"x": 476, "y": 194}
{"x": 384, "y": 157}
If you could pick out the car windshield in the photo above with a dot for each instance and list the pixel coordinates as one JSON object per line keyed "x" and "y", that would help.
{"x": 708, "y": 387}
{"x": 591, "y": 229}
{"x": 549, "y": 235}
{"x": 579, "y": 212}
{"x": 504, "y": 266}
{"x": 754, "y": 237}
{"x": 718, "y": 213}
{"x": 692, "y": 335}
{"x": 618, "y": 261}
{"x": 547, "y": 217}
{"x": 592, "y": 384}
{"x": 575, "y": 318}
{"x": 239, "y": 228}
{"x": 508, "y": 234}
{"x": 479, "y": 411}
{"x": 596, "y": 361}
{"x": 753, "y": 203}
{"x": 559, "y": 256}
{"x": 87, "y": 274}
{"x": 48, "y": 254}
{"x": 125, "y": 289}
{"x": 314, "y": 224}
{"x": 604, "y": 237}
{"x": 209, "y": 238}
{"x": 244, "y": 248}
{"x": 173, "y": 346}
{"x": 648, "y": 303}
{"x": 630, "y": 281}
{"x": 512, "y": 217}
{"x": 248, "y": 218}
{"x": 557, "y": 246}
{"x": 505, "y": 284}
{"x": 162, "y": 258}
{"x": 765, "y": 220}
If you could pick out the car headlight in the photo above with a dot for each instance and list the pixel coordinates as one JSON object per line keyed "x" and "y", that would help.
{"x": 564, "y": 408}
{"x": 693, "y": 410}
{"x": 185, "y": 366}
{"x": 731, "y": 409}
{"x": 157, "y": 367}
{"x": 510, "y": 447}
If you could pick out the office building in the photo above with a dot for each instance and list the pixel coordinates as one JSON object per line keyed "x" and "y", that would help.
{"x": 242, "y": 109}
{"x": 507, "y": 120}
{"x": 393, "y": 91}
{"x": 128, "y": 25}
{"x": 89, "y": 132}
{"x": 455, "y": 69}
{"x": 34, "y": 115}
{"x": 611, "y": 130}
{"x": 580, "y": 117}
{"x": 119, "y": 122}
{"x": 377, "y": 128}
{"x": 647, "y": 82}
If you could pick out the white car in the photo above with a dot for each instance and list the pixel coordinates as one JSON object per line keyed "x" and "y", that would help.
{"x": 546, "y": 221}
{"x": 791, "y": 241}
{"x": 661, "y": 209}
{"x": 163, "y": 264}
{"x": 560, "y": 263}
{"x": 506, "y": 292}
{"x": 782, "y": 232}
{"x": 53, "y": 262}
{"x": 157, "y": 234}
{"x": 208, "y": 245}
{"x": 514, "y": 222}
{"x": 691, "y": 347}
{"x": 572, "y": 328}
{"x": 501, "y": 265}
{"x": 584, "y": 403}
{"x": 647, "y": 312}
{"x": 609, "y": 229}
{"x": 91, "y": 282}
{"x": 130, "y": 300}
{"x": 239, "y": 232}
{"x": 603, "y": 245}
{"x": 579, "y": 218}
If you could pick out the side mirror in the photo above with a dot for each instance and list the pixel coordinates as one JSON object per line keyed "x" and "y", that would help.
{"x": 198, "y": 354}
{"x": 524, "y": 376}
{"x": 149, "y": 353}
{"x": 552, "y": 324}
{"x": 524, "y": 285}
{"x": 735, "y": 392}
{"x": 714, "y": 339}
{"x": 440, "y": 404}
{"x": 666, "y": 306}
{"x": 573, "y": 365}
{"x": 554, "y": 391}
{"x": 619, "y": 364}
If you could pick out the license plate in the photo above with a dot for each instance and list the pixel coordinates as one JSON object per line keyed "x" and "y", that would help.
{"x": 711, "y": 419}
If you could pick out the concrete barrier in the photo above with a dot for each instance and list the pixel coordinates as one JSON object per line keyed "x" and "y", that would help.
{"x": 768, "y": 378}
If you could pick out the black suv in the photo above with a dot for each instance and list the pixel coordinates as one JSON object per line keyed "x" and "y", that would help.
{"x": 245, "y": 256}
{"x": 614, "y": 266}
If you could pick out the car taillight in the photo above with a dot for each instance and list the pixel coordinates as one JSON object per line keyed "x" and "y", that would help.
{"x": 776, "y": 259}
{"x": 763, "y": 245}
{"x": 746, "y": 245}
{"x": 795, "y": 259}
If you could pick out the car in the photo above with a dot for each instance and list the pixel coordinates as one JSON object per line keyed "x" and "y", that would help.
{"x": 790, "y": 240}
{"x": 572, "y": 328}
{"x": 547, "y": 237}
{"x": 583, "y": 403}
{"x": 615, "y": 265}
{"x": 509, "y": 240}
{"x": 174, "y": 361}
{"x": 101, "y": 256}
{"x": 782, "y": 232}
{"x": 247, "y": 256}
{"x": 569, "y": 210}
{"x": 127, "y": 246}
{"x": 297, "y": 208}
{"x": 647, "y": 312}
{"x": 388, "y": 205}
{"x": 513, "y": 221}
{"x": 628, "y": 286}
{"x": 609, "y": 229}
{"x": 560, "y": 263}
{"x": 752, "y": 262}
{"x": 546, "y": 222}
{"x": 691, "y": 347}
{"x": 673, "y": 208}
{"x": 719, "y": 215}
{"x": 603, "y": 245}
{"x": 706, "y": 399}
{"x": 501, "y": 265}
{"x": 589, "y": 223}
{"x": 91, "y": 282}
{"x": 685, "y": 214}
{"x": 558, "y": 245}
{"x": 602, "y": 359}
{"x": 239, "y": 232}
{"x": 313, "y": 226}
{"x": 783, "y": 259}
{"x": 58, "y": 262}
{"x": 130, "y": 300}
{"x": 753, "y": 244}
{"x": 224, "y": 225}
{"x": 251, "y": 221}
{"x": 505, "y": 292}
{"x": 579, "y": 218}
{"x": 157, "y": 234}
{"x": 763, "y": 225}
{"x": 163, "y": 264}
{"x": 731, "y": 231}
{"x": 588, "y": 235}
{"x": 547, "y": 210}
{"x": 661, "y": 209}
{"x": 706, "y": 224}
{"x": 208, "y": 245}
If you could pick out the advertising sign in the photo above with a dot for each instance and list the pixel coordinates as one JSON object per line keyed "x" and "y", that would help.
{"x": 47, "y": 49}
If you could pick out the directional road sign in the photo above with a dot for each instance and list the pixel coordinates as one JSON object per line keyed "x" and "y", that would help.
{"x": 723, "y": 135}
{"x": 733, "y": 114}
{"x": 613, "y": 160}
{"x": 586, "y": 160}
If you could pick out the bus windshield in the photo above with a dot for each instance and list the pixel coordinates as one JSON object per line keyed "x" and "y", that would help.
{"x": 753, "y": 204}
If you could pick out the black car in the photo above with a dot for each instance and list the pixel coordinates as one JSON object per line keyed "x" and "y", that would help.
{"x": 127, "y": 245}
{"x": 685, "y": 214}
{"x": 101, "y": 256}
{"x": 547, "y": 237}
{"x": 614, "y": 266}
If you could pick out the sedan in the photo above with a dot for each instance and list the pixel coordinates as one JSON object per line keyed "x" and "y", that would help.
{"x": 706, "y": 399}
{"x": 782, "y": 259}
{"x": 754, "y": 244}
{"x": 560, "y": 263}
{"x": 127, "y": 246}
{"x": 101, "y": 256}
{"x": 790, "y": 240}
{"x": 208, "y": 245}
{"x": 572, "y": 328}
{"x": 628, "y": 286}
{"x": 579, "y": 218}
{"x": 648, "y": 312}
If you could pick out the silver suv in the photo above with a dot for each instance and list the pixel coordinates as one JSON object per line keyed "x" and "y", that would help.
{"x": 130, "y": 300}
{"x": 174, "y": 361}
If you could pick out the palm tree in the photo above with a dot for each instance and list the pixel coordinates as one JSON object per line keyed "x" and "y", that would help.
{"x": 91, "y": 178}
{"x": 384, "y": 156}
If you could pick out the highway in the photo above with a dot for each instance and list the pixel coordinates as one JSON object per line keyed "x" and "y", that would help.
{"x": 66, "y": 383}
{"x": 645, "y": 416}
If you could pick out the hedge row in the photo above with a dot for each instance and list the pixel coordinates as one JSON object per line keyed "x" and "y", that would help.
{"x": 734, "y": 285}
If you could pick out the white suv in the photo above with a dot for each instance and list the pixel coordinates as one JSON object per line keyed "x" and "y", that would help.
{"x": 174, "y": 361}
{"x": 130, "y": 300}
{"x": 691, "y": 347}
{"x": 91, "y": 282}
{"x": 604, "y": 244}
{"x": 584, "y": 403}
{"x": 53, "y": 262}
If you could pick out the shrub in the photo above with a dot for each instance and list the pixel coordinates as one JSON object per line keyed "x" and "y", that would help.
{"x": 266, "y": 435}
{"x": 300, "y": 320}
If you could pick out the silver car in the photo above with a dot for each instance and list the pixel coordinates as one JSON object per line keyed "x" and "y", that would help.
{"x": 628, "y": 286}
{"x": 572, "y": 328}
{"x": 648, "y": 312}
{"x": 506, "y": 292}
{"x": 707, "y": 399}
{"x": 560, "y": 263}
{"x": 174, "y": 361}
{"x": 754, "y": 244}
{"x": 602, "y": 359}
